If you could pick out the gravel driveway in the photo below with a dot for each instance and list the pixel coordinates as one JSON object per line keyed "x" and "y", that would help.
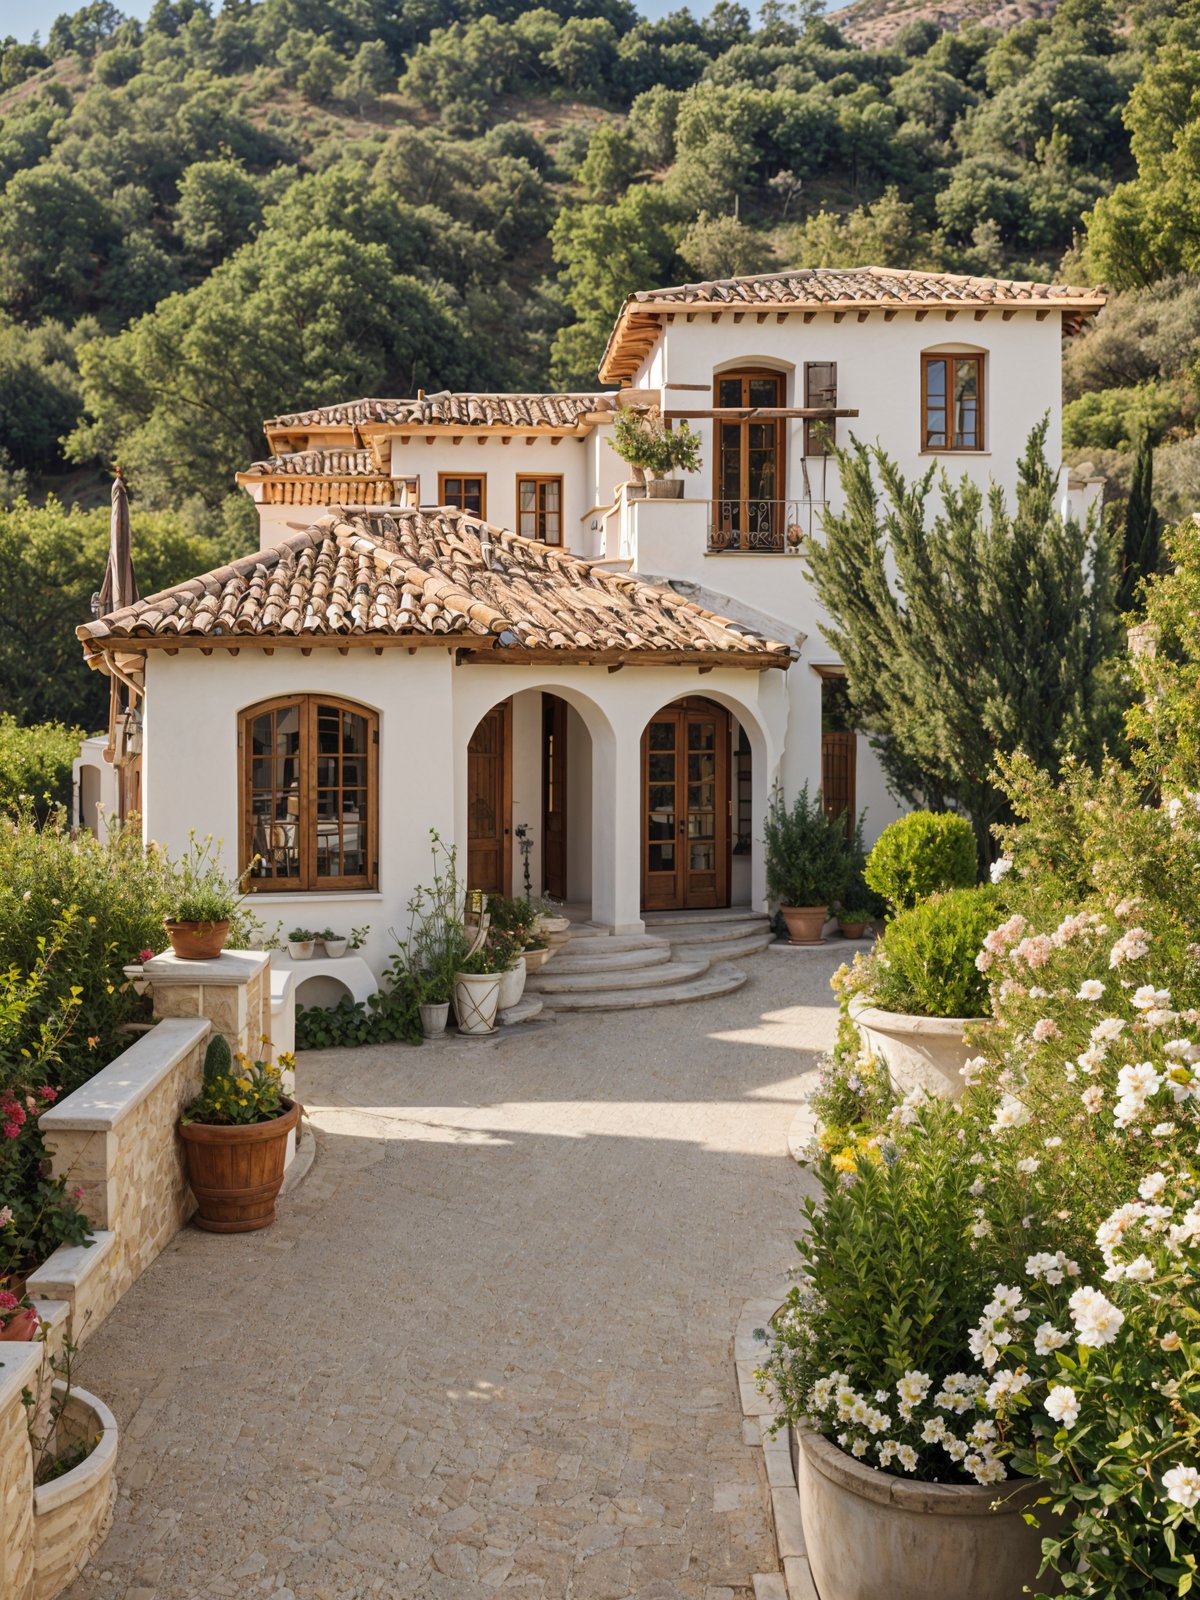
{"x": 487, "y": 1345}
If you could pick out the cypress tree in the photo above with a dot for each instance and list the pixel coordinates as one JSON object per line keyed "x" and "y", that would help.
{"x": 1142, "y": 547}
{"x": 967, "y": 630}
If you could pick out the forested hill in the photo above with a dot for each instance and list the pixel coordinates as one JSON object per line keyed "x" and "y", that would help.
{"x": 207, "y": 219}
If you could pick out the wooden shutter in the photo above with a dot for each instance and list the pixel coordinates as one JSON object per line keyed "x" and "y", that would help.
{"x": 820, "y": 389}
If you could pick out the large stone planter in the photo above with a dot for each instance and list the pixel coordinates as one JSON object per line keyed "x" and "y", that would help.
{"x": 919, "y": 1052}
{"x": 870, "y": 1535}
{"x": 72, "y": 1514}
{"x": 476, "y": 1001}
{"x": 512, "y": 985}
{"x": 535, "y": 960}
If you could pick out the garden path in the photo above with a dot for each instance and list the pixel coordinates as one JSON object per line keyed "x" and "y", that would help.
{"x": 487, "y": 1346}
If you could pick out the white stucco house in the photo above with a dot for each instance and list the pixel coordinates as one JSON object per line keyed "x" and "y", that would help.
{"x": 464, "y": 614}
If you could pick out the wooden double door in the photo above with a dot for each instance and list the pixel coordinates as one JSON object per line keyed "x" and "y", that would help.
{"x": 489, "y": 800}
{"x": 685, "y": 807}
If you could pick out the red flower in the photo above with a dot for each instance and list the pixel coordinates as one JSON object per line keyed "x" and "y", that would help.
{"x": 12, "y": 1130}
{"x": 47, "y": 1094}
{"x": 145, "y": 955}
{"x": 8, "y": 1301}
{"x": 77, "y": 1192}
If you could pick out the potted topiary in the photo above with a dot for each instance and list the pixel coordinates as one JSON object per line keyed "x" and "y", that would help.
{"x": 643, "y": 439}
{"x": 915, "y": 997}
{"x": 203, "y": 902}
{"x": 919, "y": 855}
{"x": 809, "y": 862}
{"x": 300, "y": 944}
{"x": 235, "y": 1136}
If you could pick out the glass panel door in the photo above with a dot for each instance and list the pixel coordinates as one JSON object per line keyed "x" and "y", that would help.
{"x": 749, "y": 485}
{"x": 660, "y": 811}
{"x": 685, "y": 768}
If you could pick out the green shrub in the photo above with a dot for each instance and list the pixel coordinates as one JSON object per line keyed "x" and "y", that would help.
{"x": 385, "y": 1018}
{"x": 810, "y": 860}
{"x": 921, "y": 854}
{"x": 218, "y": 1058}
{"x": 35, "y": 764}
{"x": 925, "y": 963}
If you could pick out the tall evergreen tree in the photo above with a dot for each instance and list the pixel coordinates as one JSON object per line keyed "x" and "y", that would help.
{"x": 1142, "y": 550}
{"x": 968, "y": 630}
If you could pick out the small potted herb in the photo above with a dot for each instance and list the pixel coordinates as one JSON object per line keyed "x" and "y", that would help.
{"x": 235, "y": 1134}
{"x": 853, "y": 921}
{"x": 643, "y": 440}
{"x": 335, "y": 943}
{"x": 204, "y": 902}
{"x": 300, "y": 944}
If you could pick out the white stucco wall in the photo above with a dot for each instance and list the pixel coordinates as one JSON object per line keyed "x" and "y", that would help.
{"x": 428, "y": 708}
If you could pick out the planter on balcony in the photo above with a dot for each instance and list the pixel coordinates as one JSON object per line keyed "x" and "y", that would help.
{"x": 664, "y": 488}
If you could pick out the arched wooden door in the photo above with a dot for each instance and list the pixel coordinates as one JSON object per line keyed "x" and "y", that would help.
{"x": 685, "y": 807}
{"x": 489, "y": 803}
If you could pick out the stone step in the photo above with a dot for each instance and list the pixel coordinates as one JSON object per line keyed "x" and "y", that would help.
{"x": 696, "y": 935}
{"x": 526, "y": 1008}
{"x": 728, "y": 949}
{"x": 681, "y": 919}
{"x": 581, "y": 959}
{"x": 610, "y": 943}
{"x": 549, "y": 985}
{"x": 716, "y": 981}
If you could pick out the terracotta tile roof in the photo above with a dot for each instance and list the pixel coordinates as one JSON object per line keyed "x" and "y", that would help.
{"x": 430, "y": 576}
{"x": 446, "y": 409}
{"x": 315, "y": 463}
{"x": 831, "y": 288}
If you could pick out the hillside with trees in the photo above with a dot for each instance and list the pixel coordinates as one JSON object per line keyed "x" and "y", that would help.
{"x": 208, "y": 218}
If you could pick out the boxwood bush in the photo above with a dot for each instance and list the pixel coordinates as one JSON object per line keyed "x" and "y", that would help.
{"x": 922, "y": 854}
{"x": 925, "y": 962}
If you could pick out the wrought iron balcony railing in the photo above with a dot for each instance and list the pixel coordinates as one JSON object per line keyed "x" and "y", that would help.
{"x": 751, "y": 527}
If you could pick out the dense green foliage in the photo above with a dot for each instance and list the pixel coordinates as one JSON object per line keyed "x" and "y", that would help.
{"x": 925, "y": 964}
{"x": 327, "y": 199}
{"x": 810, "y": 860}
{"x": 35, "y": 764}
{"x": 997, "y": 634}
{"x": 386, "y": 1016}
{"x": 919, "y": 855}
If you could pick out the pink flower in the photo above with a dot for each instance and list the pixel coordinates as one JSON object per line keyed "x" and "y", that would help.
{"x": 1045, "y": 1028}
{"x": 145, "y": 955}
{"x": 5, "y": 1216}
{"x": 77, "y": 1192}
{"x": 8, "y": 1301}
{"x": 1034, "y": 951}
{"x": 12, "y": 1130}
{"x": 47, "y": 1094}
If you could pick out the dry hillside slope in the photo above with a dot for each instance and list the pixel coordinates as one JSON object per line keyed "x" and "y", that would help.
{"x": 875, "y": 23}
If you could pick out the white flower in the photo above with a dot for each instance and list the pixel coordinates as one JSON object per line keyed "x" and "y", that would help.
{"x": 1062, "y": 1404}
{"x": 1053, "y": 1268}
{"x": 1131, "y": 946}
{"x": 1045, "y": 1028}
{"x": 1048, "y": 1338}
{"x": 1182, "y": 1486}
{"x": 1163, "y": 1130}
{"x": 1052, "y": 1143}
{"x": 1097, "y": 1320}
{"x": 1153, "y": 1186}
{"x": 907, "y": 1457}
{"x": 1004, "y": 1384}
{"x": 1001, "y": 868}
{"x": 913, "y": 1387}
{"x": 1147, "y": 998}
{"x": 934, "y": 1431}
{"x": 1028, "y": 1164}
{"x": 859, "y": 1448}
{"x": 1090, "y": 989}
{"x": 1140, "y": 1269}
{"x": 1010, "y": 1113}
{"x": 1110, "y": 1028}
{"x": 1092, "y": 1097}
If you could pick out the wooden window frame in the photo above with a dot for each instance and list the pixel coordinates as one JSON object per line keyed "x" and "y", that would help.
{"x": 951, "y": 356}
{"x": 540, "y": 478}
{"x": 465, "y": 477}
{"x": 309, "y": 881}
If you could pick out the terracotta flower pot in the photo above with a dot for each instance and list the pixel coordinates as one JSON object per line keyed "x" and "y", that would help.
{"x": 804, "y": 923}
{"x": 196, "y": 941}
{"x": 853, "y": 930}
{"x": 665, "y": 488}
{"x": 21, "y": 1327}
{"x": 870, "y": 1534}
{"x": 236, "y": 1173}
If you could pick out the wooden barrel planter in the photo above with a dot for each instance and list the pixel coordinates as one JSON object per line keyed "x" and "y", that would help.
{"x": 236, "y": 1172}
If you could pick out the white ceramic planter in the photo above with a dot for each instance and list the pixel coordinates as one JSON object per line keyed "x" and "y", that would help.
{"x": 72, "y": 1515}
{"x": 870, "y": 1535}
{"x": 476, "y": 1001}
{"x": 300, "y": 949}
{"x": 512, "y": 984}
{"x": 554, "y": 925}
{"x": 536, "y": 959}
{"x": 434, "y": 1018}
{"x": 335, "y": 947}
{"x": 919, "y": 1052}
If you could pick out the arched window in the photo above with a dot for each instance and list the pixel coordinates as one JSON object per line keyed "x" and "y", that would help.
{"x": 951, "y": 402}
{"x": 309, "y": 787}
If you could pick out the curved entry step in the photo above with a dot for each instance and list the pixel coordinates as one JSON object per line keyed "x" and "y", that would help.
{"x": 713, "y": 981}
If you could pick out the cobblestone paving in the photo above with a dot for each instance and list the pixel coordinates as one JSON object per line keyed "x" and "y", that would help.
{"x": 487, "y": 1347}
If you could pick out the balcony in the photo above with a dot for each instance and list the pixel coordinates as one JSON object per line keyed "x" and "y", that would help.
{"x": 762, "y": 527}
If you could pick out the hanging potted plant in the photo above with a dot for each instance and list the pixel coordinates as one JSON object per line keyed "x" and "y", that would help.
{"x": 643, "y": 440}
{"x": 203, "y": 904}
{"x": 809, "y": 862}
{"x": 235, "y": 1135}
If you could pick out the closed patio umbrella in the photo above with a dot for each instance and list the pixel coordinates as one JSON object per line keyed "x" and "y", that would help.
{"x": 119, "y": 588}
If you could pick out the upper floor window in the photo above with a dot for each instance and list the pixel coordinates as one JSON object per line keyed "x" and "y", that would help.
{"x": 952, "y": 402}
{"x": 309, "y": 782}
{"x": 467, "y": 492}
{"x": 539, "y": 509}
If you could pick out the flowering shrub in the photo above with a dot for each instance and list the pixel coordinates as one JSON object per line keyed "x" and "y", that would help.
{"x": 241, "y": 1093}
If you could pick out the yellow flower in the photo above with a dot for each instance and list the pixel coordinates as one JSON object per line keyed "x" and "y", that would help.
{"x": 846, "y": 1160}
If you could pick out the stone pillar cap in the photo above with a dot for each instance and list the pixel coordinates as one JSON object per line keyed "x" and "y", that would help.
{"x": 231, "y": 967}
